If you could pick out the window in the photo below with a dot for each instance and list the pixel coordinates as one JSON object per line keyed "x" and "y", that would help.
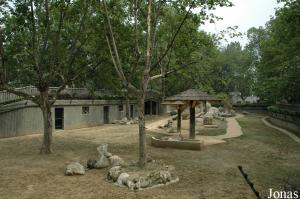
{"x": 120, "y": 107}
{"x": 85, "y": 110}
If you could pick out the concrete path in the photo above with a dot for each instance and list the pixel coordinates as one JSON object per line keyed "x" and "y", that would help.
{"x": 233, "y": 130}
{"x": 155, "y": 125}
{"x": 286, "y": 132}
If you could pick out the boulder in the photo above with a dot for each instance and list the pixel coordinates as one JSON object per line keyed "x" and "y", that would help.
{"x": 214, "y": 111}
{"x": 74, "y": 168}
{"x": 185, "y": 116}
{"x": 159, "y": 177}
{"x": 124, "y": 119}
{"x": 207, "y": 120}
{"x": 145, "y": 182}
{"x": 208, "y": 105}
{"x": 114, "y": 173}
{"x": 102, "y": 150}
{"x": 122, "y": 179}
{"x": 122, "y": 122}
{"x": 171, "y": 130}
{"x": 91, "y": 163}
{"x": 102, "y": 163}
{"x": 173, "y": 113}
{"x": 134, "y": 182}
{"x": 116, "y": 161}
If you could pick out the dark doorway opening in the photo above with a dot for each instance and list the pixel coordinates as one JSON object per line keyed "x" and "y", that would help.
{"x": 151, "y": 108}
{"x": 59, "y": 118}
{"x": 106, "y": 115}
{"x": 131, "y": 111}
{"x": 147, "y": 107}
{"x": 154, "y": 105}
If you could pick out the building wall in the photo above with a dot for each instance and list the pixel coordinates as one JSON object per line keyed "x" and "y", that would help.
{"x": 23, "y": 120}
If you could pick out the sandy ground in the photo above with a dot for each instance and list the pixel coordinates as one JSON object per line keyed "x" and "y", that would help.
{"x": 265, "y": 153}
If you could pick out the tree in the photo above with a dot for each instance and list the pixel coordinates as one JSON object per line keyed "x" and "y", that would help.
{"x": 144, "y": 17}
{"x": 277, "y": 55}
{"x": 233, "y": 70}
{"x": 46, "y": 44}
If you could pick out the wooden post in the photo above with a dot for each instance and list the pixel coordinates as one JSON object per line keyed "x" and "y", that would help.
{"x": 192, "y": 120}
{"x": 179, "y": 119}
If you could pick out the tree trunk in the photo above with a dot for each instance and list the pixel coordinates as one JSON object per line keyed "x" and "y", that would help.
{"x": 142, "y": 133}
{"x": 192, "y": 121}
{"x": 46, "y": 110}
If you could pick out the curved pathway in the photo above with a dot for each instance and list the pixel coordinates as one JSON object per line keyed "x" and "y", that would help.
{"x": 286, "y": 132}
{"x": 233, "y": 130}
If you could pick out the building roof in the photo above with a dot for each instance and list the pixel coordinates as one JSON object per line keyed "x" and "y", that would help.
{"x": 192, "y": 95}
{"x": 173, "y": 103}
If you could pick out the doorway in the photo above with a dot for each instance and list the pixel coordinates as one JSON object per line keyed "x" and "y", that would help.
{"x": 131, "y": 111}
{"x": 106, "y": 114}
{"x": 151, "y": 107}
{"x": 59, "y": 118}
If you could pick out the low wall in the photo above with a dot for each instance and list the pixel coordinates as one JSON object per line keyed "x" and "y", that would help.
{"x": 293, "y": 107}
{"x": 256, "y": 108}
{"x": 285, "y": 124}
{"x": 188, "y": 144}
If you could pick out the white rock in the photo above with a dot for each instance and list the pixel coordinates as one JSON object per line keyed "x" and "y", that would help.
{"x": 102, "y": 163}
{"x": 102, "y": 150}
{"x": 116, "y": 161}
{"x": 114, "y": 173}
{"x": 74, "y": 168}
{"x": 134, "y": 182}
{"x": 122, "y": 179}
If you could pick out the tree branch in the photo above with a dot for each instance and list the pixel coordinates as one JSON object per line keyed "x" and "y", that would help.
{"x": 163, "y": 75}
{"x": 33, "y": 39}
{"x": 149, "y": 43}
{"x": 19, "y": 93}
{"x": 173, "y": 38}
{"x": 47, "y": 30}
{"x": 114, "y": 51}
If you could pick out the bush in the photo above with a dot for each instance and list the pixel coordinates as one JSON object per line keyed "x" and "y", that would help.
{"x": 275, "y": 109}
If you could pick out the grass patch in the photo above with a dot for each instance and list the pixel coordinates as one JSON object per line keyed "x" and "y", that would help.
{"x": 268, "y": 156}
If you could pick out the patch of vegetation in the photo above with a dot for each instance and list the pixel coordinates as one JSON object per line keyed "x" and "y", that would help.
{"x": 275, "y": 109}
{"x": 220, "y": 130}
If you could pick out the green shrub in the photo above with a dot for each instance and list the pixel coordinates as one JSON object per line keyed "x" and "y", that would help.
{"x": 275, "y": 109}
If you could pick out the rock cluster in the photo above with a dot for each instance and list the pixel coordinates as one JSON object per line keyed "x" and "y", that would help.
{"x": 168, "y": 127}
{"x": 136, "y": 181}
{"x": 125, "y": 121}
{"x": 133, "y": 180}
{"x": 105, "y": 159}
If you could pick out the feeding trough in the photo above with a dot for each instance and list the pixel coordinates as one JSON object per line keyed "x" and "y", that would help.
{"x": 169, "y": 142}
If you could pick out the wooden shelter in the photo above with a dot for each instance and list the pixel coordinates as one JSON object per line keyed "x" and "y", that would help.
{"x": 189, "y": 98}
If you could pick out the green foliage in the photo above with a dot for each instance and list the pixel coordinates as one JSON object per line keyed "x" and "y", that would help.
{"x": 276, "y": 51}
{"x": 275, "y": 109}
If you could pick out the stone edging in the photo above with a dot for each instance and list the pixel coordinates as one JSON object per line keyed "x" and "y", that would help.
{"x": 286, "y": 132}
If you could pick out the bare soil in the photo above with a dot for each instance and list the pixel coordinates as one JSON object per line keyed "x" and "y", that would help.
{"x": 268, "y": 156}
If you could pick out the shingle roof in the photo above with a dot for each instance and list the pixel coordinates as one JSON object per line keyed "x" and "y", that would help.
{"x": 192, "y": 95}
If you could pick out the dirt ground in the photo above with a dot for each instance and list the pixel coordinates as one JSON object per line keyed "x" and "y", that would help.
{"x": 268, "y": 156}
